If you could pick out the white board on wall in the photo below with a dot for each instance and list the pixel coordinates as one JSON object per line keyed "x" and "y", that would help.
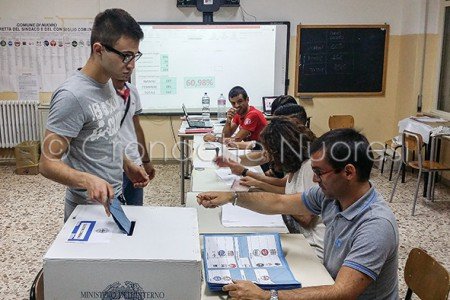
{"x": 182, "y": 61}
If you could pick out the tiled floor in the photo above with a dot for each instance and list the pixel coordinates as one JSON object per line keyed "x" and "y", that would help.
{"x": 31, "y": 214}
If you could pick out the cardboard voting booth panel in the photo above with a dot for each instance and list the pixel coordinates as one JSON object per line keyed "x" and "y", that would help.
{"x": 92, "y": 259}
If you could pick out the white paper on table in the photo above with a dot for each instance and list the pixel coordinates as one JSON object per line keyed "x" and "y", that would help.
{"x": 235, "y": 216}
{"x": 212, "y": 145}
{"x": 226, "y": 176}
{"x": 427, "y": 119}
{"x": 231, "y": 179}
{"x": 203, "y": 164}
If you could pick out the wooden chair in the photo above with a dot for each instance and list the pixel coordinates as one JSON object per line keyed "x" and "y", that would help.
{"x": 341, "y": 121}
{"x": 425, "y": 277}
{"x": 37, "y": 288}
{"x": 413, "y": 141}
{"x": 394, "y": 146}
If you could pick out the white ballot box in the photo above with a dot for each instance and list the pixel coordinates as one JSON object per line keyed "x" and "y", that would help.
{"x": 91, "y": 259}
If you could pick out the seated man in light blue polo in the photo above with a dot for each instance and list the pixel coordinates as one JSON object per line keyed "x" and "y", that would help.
{"x": 361, "y": 237}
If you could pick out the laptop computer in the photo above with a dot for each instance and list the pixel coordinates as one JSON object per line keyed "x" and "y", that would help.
{"x": 267, "y": 104}
{"x": 195, "y": 124}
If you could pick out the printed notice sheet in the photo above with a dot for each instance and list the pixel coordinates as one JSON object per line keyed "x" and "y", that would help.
{"x": 255, "y": 257}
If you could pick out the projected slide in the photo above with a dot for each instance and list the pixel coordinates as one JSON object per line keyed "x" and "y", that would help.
{"x": 182, "y": 62}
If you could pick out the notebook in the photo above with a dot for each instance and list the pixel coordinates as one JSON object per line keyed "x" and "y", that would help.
{"x": 195, "y": 124}
{"x": 267, "y": 104}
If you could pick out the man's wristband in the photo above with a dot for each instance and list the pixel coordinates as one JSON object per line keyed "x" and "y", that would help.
{"x": 235, "y": 198}
{"x": 244, "y": 172}
{"x": 273, "y": 295}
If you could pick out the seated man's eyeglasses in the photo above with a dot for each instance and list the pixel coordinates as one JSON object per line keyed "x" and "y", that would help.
{"x": 320, "y": 173}
{"x": 127, "y": 57}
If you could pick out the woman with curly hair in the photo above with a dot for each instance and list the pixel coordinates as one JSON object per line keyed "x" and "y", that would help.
{"x": 286, "y": 142}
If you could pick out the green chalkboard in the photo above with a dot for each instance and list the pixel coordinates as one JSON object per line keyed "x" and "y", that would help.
{"x": 341, "y": 60}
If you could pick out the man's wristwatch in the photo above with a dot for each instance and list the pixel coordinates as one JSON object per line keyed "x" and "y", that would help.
{"x": 244, "y": 172}
{"x": 273, "y": 295}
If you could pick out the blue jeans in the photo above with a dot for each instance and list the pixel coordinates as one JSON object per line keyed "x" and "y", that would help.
{"x": 69, "y": 207}
{"x": 133, "y": 196}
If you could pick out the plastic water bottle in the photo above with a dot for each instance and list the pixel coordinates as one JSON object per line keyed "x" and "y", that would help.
{"x": 221, "y": 108}
{"x": 206, "y": 114}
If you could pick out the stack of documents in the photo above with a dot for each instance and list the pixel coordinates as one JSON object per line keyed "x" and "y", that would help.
{"x": 235, "y": 216}
{"x": 255, "y": 257}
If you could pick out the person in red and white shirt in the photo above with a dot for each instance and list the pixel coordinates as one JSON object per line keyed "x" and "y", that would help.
{"x": 248, "y": 119}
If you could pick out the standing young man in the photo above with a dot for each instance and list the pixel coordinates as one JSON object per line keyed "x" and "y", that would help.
{"x": 82, "y": 148}
{"x": 133, "y": 139}
{"x": 361, "y": 235}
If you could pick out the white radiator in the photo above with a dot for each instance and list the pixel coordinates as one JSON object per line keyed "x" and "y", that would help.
{"x": 19, "y": 122}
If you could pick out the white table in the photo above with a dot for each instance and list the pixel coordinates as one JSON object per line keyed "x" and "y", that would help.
{"x": 204, "y": 180}
{"x": 185, "y": 150}
{"x": 209, "y": 220}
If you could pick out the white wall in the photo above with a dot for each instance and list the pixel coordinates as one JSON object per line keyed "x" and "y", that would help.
{"x": 377, "y": 116}
{"x": 404, "y": 16}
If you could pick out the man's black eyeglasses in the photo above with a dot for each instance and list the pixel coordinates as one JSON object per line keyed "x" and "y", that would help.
{"x": 320, "y": 173}
{"x": 127, "y": 57}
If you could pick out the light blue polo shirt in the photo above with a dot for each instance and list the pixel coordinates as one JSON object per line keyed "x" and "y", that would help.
{"x": 363, "y": 237}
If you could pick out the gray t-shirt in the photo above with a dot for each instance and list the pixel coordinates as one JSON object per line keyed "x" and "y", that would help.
{"x": 89, "y": 113}
{"x": 127, "y": 132}
{"x": 363, "y": 237}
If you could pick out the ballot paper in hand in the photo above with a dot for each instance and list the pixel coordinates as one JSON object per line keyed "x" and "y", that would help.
{"x": 119, "y": 216}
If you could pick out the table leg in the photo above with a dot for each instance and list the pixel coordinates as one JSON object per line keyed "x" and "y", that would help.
{"x": 426, "y": 175}
{"x": 182, "y": 141}
{"x": 432, "y": 175}
{"x": 187, "y": 173}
